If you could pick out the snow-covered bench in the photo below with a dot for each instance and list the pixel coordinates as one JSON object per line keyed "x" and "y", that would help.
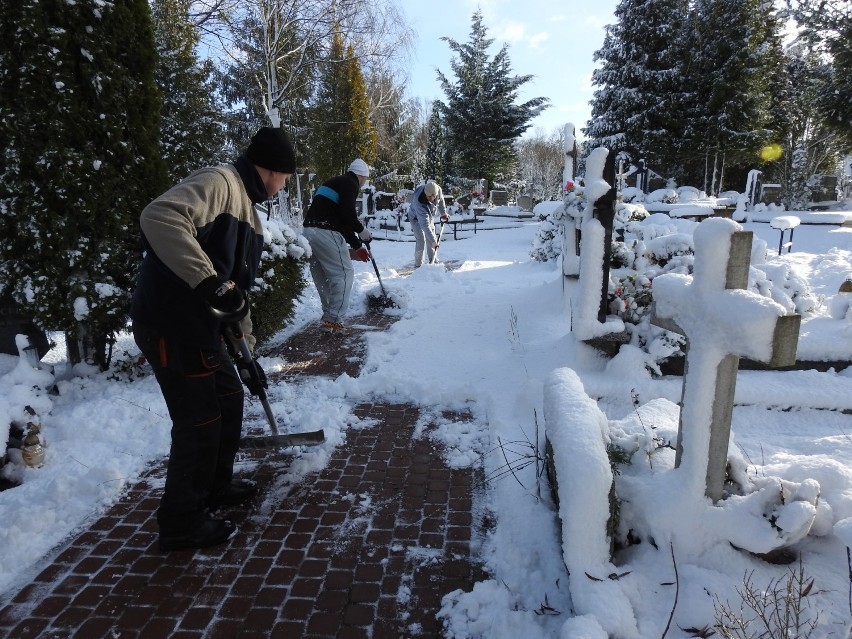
{"x": 785, "y": 223}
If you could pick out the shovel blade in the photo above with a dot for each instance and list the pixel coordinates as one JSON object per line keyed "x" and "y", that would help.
{"x": 309, "y": 438}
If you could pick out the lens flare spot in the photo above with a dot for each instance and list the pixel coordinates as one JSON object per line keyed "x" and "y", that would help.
{"x": 771, "y": 152}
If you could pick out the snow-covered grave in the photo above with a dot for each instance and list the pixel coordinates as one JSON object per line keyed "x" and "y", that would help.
{"x": 590, "y": 320}
{"x": 571, "y": 214}
{"x": 722, "y": 321}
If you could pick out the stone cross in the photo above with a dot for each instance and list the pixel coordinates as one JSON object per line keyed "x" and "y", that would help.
{"x": 722, "y": 322}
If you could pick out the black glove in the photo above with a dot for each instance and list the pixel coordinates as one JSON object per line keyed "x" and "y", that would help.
{"x": 253, "y": 376}
{"x": 223, "y": 295}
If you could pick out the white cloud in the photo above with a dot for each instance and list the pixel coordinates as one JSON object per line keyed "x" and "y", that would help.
{"x": 538, "y": 39}
{"x": 511, "y": 32}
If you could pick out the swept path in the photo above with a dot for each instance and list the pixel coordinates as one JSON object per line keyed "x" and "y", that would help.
{"x": 365, "y": 548}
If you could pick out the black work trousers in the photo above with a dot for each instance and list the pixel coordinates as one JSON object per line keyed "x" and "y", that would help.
{"x": 205, "y": 397}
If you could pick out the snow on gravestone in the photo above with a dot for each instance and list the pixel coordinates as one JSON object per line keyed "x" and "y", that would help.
{"x": 589, "y": 318}
{"x": 570, "y": 230}
{"x": 722, "y": 322}
{"x": 581, "y": 476}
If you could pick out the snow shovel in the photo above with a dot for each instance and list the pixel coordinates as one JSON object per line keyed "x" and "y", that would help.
{"x": 440, "y": 235}
{"x": 239, "y": 350}
{"x": 381, "y": 301}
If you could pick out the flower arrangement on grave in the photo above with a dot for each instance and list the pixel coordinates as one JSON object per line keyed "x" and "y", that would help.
{"x": 547, "y": 244}
{"x": 478, "y": 199}
{"x": 631, "y": 297}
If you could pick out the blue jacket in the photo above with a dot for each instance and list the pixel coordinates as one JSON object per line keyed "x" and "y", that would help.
{"x": 334, "y": 207}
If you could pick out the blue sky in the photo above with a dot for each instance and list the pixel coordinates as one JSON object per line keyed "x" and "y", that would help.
{"x": 554, "y": 40}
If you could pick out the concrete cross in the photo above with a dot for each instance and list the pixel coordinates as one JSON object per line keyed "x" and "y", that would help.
{"x": 722, "y": 322}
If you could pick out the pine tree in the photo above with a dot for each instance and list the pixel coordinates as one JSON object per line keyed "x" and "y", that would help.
{"x": 192, "y": 132}
{"x": 481, "y": 120}
{"x": 80, "y": 130}
{"x": 826, "y": 26}
{"x": 737, "y": 64}
{"x": 837, "y": 90}
{"x": 341, "y": 127}
{"x": 638, "y": 106}
{"x": 808, "y": 144}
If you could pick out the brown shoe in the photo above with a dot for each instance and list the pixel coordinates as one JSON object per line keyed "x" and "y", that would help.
{"x": 334, "y": 327}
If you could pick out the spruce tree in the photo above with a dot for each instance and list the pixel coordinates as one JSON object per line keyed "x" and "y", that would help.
{"x": 340, "y": 115}
{"x": 480, "y": 117}
{"x": 737, "y": 62}
{"x": 826, "y": 27}
{"x": 80, "y": 130}
{"x": 192, "y": 132}
{"x": 638, "y": 105}
{"x": 836, "y": 92}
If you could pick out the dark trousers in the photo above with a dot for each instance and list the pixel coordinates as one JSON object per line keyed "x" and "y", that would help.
{"x": 204, "y": 396}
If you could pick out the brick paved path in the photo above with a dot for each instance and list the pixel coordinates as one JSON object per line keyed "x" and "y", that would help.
{"x": 367, "y": 547}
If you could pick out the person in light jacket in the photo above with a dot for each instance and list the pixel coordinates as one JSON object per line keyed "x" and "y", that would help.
{"x": 427, "y": 201}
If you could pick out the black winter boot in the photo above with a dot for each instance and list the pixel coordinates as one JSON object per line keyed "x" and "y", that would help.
{"x": 208, "y": 532}
{"x": 237, "y": 492}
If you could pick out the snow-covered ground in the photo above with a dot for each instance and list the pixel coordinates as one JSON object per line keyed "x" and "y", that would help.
{"x": 493, "y": 336}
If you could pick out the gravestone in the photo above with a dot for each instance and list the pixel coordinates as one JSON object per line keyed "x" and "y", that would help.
{"x": 604, "y": 212}
{"x": 13, "y": 321}
{"x": 754, "y": 184}
{"x": 525, "y": 202}
{"x": 824, "y": 189}
{"x": 384, "y": 201}
{"x": 770, "y": 193}
{"x": 721, "y": 322}
{"x": 499, "y": 198}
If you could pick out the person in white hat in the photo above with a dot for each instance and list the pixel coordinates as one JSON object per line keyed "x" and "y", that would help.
{"x": 336, "y": 236}
{"x": 428, "y": 199}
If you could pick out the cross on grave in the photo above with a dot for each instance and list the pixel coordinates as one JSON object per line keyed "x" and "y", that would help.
{"x": 604, "y": 212}
{"x": 571, "y": 232}
{"x": 722, "y": 322}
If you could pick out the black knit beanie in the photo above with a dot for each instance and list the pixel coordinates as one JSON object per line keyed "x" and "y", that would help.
{"x": 272, "y": 149}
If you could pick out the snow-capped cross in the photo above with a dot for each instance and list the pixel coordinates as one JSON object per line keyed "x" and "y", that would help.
{"x": 722, "y": 321}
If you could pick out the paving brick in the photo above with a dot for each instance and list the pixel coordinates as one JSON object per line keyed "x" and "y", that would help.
{"x": 197, "y": 618}
{"x": 328, "y": 561}
{"x": 324, "y": 624}
{"x": 358, "y": 615}
{"x": 297, "y": 608}
{"x": 236, "y": 607}
{"x": 306, "y": 587}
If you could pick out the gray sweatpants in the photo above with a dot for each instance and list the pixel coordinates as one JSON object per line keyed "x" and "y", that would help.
{"x": 331, "y": 269}
{"x": 422, "y": 241}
